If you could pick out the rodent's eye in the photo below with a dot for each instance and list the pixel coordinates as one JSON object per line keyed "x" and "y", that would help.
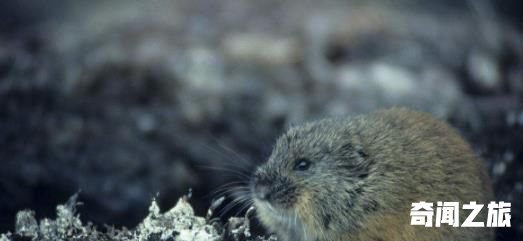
{"x": 302, "y": 164}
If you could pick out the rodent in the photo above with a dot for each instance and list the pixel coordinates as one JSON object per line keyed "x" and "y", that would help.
{"x": 355, "y": 179}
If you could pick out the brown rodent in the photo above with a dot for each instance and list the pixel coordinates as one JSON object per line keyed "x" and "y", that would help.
{"x": 355, "y": 179}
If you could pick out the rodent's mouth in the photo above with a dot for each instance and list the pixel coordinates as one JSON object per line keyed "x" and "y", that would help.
{"x": 265, "y": 202}
{"x": 265, "y": 206}
{"x": 267, "y": 209}
{"x": 276, "y": 218}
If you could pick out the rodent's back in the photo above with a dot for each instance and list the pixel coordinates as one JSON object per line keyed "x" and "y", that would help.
{"x": 364, "y": 175}
{"x": 419, "y": 158}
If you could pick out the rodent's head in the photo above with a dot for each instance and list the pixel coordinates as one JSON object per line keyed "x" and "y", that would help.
{"x": 314, "y": 174}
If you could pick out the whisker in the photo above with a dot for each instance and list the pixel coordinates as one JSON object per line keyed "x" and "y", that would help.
{"x": 242, "y": 164}
{"x": 234, "y": 203}
{"x": 295, "y": 217}
{"x": 232, "y": 183}
{"x": 231, "y": 170}
{"x": 248, "y": 203}
{"x": 231, "y": 151}
{"x": 228, "y": 191}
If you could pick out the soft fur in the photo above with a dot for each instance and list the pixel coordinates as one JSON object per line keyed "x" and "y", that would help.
{"x": 364, "y": 175}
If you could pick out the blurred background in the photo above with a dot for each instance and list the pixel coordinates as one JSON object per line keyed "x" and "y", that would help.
{"x": 127, "y": 99}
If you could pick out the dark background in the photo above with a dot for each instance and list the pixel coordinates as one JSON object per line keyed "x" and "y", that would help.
{"x": 126, "y": 100}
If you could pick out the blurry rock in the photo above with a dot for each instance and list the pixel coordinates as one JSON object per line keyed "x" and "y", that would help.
{"x": 262, "y": 48}
{"x": 367, "y": 87}
{"x": 499, "y": 169}
{"x": 202, "y": 69}
{"x": 484, "y": 71}
{"x": 201, "y": 73}
{"x": 515, "y": 78}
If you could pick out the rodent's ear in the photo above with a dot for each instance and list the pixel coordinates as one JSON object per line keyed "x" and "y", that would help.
{"x": 358, "y": 161}
{"x": 352, "y": 149}
{"x": 362, "y": 152}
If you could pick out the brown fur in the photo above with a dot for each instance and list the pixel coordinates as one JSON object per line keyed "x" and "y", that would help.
{"x": 365, "y": 173}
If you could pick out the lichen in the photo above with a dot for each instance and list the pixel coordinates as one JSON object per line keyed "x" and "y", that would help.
{"x": 179, "y": 223}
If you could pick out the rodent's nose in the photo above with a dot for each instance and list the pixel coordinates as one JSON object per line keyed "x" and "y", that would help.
{"x": 261, "y": 188}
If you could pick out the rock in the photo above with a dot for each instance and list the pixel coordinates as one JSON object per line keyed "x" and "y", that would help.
{"x": 484, "y": 71}
{"x": 262, "y": 48}
{"x": 363, "y": 88}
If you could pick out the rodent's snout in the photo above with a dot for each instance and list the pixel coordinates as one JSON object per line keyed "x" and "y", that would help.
{"x": 261, "y": 187}
{"x": 275, "y": 190}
